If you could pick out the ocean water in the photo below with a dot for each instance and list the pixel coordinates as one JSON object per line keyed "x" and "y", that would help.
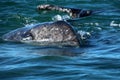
{"x": 99, "y": 59}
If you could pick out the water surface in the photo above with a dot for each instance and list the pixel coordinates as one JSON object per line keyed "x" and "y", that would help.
{"x": 97, "y": 60}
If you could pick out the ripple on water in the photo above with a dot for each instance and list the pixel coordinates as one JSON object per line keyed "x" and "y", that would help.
{"x": 99, "y": 61}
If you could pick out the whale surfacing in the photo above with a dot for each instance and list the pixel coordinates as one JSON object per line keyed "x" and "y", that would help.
{"x": 58, "y": 33}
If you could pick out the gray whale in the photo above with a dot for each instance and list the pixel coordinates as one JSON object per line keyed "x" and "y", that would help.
{"x": 58, "y": 33}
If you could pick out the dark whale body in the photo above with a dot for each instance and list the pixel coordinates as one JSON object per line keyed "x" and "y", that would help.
{"x": 58, "y": 33}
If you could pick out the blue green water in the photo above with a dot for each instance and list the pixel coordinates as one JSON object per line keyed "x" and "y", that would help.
{"x": 99, "y": 59}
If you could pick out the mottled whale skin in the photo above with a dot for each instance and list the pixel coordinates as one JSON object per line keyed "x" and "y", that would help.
{"x": 73, "y": 12}
{"x": 49, "y": 33}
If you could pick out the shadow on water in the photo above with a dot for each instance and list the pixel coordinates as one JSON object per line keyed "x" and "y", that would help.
{"x": 40, "y": 50}
{"x": 59, "y": 51}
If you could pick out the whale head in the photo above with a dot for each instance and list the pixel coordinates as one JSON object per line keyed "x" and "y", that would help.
{"x": 18, "y": 35}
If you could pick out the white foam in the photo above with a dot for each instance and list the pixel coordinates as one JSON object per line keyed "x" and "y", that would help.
{"x": 83, "y": 34}
{"x": 113, "y": 24}
{"x": 59, "y": 17}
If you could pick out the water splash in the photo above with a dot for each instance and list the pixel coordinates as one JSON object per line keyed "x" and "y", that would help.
{"x": 59, "y": 17}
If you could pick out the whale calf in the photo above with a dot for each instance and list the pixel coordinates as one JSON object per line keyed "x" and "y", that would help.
{"x": 58, "y": 33}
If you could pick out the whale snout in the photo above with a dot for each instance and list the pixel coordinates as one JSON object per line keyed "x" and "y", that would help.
{"x": 18, "y": 35}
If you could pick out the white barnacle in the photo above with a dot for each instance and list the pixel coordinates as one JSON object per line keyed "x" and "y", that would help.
{"x": 27, "y": 38}
{"x": 71, "y": 13}
{"x": 52, "y": 29}
{"x": 64, "y": 10}
{"x": 56, "y": 29}
{"x": 43, "y": 6}
{"x": 68, "y": 10}
{"x": 67, "y": 30}
{"x": 46, "y": 5}
{"x": 60, "y": 9}
{"x": 44, "y": 40}
{"x": 69, "y": 37}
